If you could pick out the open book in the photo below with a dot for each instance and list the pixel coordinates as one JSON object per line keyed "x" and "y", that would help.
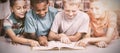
{"x": 54, "y": 45}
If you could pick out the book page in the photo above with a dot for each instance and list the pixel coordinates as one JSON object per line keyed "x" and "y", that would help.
{"x": 58, "y": 45}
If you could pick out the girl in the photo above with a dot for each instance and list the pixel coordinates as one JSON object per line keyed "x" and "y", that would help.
{"x": 103, "y": 26}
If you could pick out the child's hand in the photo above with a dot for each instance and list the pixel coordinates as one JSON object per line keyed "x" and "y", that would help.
{"x": 64, "y": 39}
{"x": 14, "y": 43}
{"x": 34, "y": 43}
{"x": 101, "y": 44}
{"x": 43, "y": 41}
{"x": 82, "y": 42}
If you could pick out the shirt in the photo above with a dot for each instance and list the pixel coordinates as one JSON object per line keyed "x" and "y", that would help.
{"x": 79, "y": 23}
{"x": 39, "y": 26}
{"x": 17, "y": 25}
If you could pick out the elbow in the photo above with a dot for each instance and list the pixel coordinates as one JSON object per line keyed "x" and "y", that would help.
{"x": 75, "y": 39}
{"x": 108, "y": 40}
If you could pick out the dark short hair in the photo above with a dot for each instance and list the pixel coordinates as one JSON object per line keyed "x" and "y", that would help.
{"x": 3, "y": 1}
{"x": 34, "y": 2}
{"x": 12, "y": 2}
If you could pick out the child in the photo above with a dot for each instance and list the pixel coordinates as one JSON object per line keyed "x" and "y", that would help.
{"x": 14, "y": 25}
{"x": 70, "y": 24}
{"x": 102, "y": 24}
{"x": 39, "y": 20}
{"x": 51, "y": 3}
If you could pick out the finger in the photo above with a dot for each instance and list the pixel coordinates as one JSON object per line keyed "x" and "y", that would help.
{"x": 82, "y": 44}
{"x": 14, "y": 43}
{"x": 46, "y": 43}
{"x": 67, "y": 41}
{"x": 100, "y": 45}
{"x": 37, "y": 44}
{"x": 97, "y": 44}
{"x": 104, "y": 44}
{"x": 76, "y": 44}
{"x": 61, "y": 40}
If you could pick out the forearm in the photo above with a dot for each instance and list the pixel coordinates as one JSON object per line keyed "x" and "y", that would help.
{"x": 53, "y": 36}
{"x": 22, "y": 40}
{"x": 98, "y": 39}
{"x": 16, "y": 39}
{"x": 75, "y": 37}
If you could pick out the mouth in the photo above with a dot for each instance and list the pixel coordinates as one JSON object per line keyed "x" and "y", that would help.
{"x": 21, "y": 15}
{"x": 42, "y": 16}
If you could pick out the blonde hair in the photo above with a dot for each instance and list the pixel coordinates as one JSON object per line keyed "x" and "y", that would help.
{"x": 71, "y": 2}
{"x": 100, "y": 4}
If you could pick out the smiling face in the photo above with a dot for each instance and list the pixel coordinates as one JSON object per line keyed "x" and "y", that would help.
{"x": 97, "y": 8}
{"x": 19, "y": 8}
{"x": 70, "y": 10}
{"x": 41, "y": 9}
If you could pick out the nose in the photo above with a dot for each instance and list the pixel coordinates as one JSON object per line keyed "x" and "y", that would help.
{"x": 42, "y": 12}
{"x": 70, "y": 13}
{"x": 22, "y": 10}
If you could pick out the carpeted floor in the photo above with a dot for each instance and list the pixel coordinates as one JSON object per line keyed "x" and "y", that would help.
{"x": 6, "y": 47}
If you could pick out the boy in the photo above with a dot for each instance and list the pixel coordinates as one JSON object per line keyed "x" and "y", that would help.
{"x": 102, "y": 24}
{"x": 39, "y": 20}
{"x": 14, "y": 25}
{"x": 70, "y": 24}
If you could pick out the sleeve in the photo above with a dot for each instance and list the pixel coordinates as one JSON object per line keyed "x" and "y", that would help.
{"x": 56, "y": 23}
{"x": 29, "y": 24}
{"x": 7, "y": 24}
{"x": 85, "y": 24}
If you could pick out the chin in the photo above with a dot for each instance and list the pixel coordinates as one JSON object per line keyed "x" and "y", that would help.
{"x": 21, "y": 16}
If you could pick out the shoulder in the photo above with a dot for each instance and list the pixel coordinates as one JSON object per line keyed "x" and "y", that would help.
{"x": 11, "y": 17}
{"x": 59, "y": 15}
{"x": 52, "y": 10}
{"x": 83, "y": 15}
{"x": 30, "y": 15}
{"x": 112, "y": 13}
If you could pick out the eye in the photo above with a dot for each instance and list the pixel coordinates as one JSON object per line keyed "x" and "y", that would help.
{"x": 24, "y": 7}
{"x": 18, "y": 8}
{"x": 38, "y": 10}
{"x": 44, "y": 9}
{"x": 67, "y": 10}
{"x": 73, "y": 11}
{"x": 91, "y": 8}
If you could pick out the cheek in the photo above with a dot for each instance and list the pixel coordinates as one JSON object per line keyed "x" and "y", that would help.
{"x": 46, "y": 10}
{"x": 66, "y": 13}
{"x": 16, "y": 11}
{"x": 74, "y": 13}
